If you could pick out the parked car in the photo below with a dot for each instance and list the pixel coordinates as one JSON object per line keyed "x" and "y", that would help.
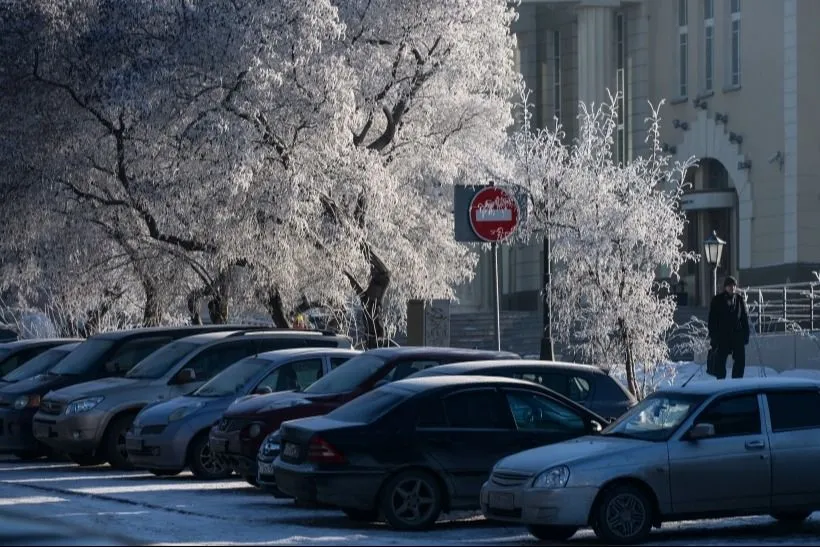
{"x": 101, "y": 356}
{"x": 419, "y": 447}
{"x": 40, "y": 364}
{"x": 18, "y": 527}
{"x": 171, "y": 435}
{"x": 14, "y": 354}
{"x": 231, "y": 438}
{"x": 90, "y": 420}
{"x": 710, "y": 449}
{"x": 587, "y": 385}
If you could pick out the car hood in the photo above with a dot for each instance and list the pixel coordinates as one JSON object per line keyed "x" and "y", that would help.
{"x": 272, "y": 402}
{"x": 614, "y": 450}
{"x": 38, "y": 385}
{"x": 96, "y": 388}
{"x": 158, "y": 414}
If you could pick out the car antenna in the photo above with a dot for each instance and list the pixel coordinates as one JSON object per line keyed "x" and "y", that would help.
{"x": 690, "y": 378}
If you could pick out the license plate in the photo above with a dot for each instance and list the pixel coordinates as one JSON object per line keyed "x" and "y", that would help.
{"x": 291, "y": 450}
{"x": 134, "y": 444}
{"x": 501, "y": 500}
{"x": 265, "y": 469}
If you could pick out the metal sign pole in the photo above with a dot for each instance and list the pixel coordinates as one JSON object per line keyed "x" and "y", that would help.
{"x": 497, "y": 297}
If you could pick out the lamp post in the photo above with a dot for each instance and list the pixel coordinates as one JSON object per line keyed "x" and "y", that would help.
{"x": 713, "y": 249}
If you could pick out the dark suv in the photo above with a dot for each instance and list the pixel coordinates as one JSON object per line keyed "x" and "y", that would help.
{"x": 238, "y": 436}
{"x": 104, "y": 355}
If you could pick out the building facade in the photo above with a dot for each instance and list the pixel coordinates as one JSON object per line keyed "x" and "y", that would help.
{"x": 739, "y": 80}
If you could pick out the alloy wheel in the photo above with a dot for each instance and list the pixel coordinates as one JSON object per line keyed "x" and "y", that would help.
{"x": 626, "y": 515}
{"x": 413, "y": 500}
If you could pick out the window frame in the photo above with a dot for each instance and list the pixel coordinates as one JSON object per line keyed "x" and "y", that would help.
{"x": 683, "y": 49}
{"x": 556, "y": 76}
{"x": 506, "y": 392}
{"x": 209, "y": 351}
{"x": 734, "y": 31}
{"x": 708, "y": 45}
{"x": 450, "y": 427}
{"x": 698, "y": 416}
{"x": 770, "y": 415}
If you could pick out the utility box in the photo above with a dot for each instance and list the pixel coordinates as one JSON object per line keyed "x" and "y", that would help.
{"x": 428, "y": 323}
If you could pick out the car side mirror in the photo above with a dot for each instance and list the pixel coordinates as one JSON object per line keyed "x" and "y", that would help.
{"x": 262, "y": 390}
{"x": 595, "y": 426}
{"x": 701, "y": 431}
{"x": 186, "y": 376}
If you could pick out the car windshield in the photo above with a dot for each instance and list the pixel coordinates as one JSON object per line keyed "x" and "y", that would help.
{"x": 233, "y": 379}
{"x": 656, "y": 418}
{"x": 347, "y": 376}
{"x": 158, "y": 363}
{"x": 83, "y": 358}
{"x": 3, "y": 353}
{"x": 38, "y": 365}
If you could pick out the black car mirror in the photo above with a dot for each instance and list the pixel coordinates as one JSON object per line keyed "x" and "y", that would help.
{"x": 186, "y": 376}
{"x": 262, "y": 390}
{"x": 701, "y": 431}
{"x": 595, "y": 426}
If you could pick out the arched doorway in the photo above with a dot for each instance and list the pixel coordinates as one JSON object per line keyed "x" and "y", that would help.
{"x": 711, "y": 204}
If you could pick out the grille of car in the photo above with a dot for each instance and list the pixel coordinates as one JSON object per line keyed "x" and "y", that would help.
{"x": 153, "y": 429}
{"x": 51, "y": 407}
{"x": 231, "y": 425}
{"x": 509, "y": 478}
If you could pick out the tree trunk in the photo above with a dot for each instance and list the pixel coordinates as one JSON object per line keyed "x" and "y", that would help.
{"x": 152, "y": 313}
{"x": 629, "y": 360}
{"x": 219, "y": 297}
{"x": 94, "y": 317}
{"x": 372, "y": 299}
{"x": 194, "y": 298}
{"x": 276, "y": 308}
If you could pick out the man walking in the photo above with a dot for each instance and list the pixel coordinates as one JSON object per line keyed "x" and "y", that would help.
{"x": 729, "y": 329}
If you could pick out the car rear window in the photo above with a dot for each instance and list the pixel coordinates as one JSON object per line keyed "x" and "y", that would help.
{"x": 368, "y": 407}
{"x": 348, "y": 376}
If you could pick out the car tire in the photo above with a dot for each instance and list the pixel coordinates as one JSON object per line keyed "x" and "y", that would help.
{"x": 635, "y": 520}
{"x": 411, "y": 500}
{"x": 113, "y": 445}
{"x": 361, "y": 515}
{"x": 792, "y": 518}
{"x": 165, "y": 472}
{"x": 28, "y": 455}
{"x": 552, "y": 533}
{"x": 86, "y": 460}
{"x": 204, "y": 465}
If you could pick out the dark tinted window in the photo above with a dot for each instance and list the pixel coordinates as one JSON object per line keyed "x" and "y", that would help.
{"x": 478, "y": 409}
{"x": 16, "y": 359}
{"x": 535, "y": 412}
{"x": 336, "y": 361}
{"x": 211, "y": 361}
{"x": 368, "y": 407}
{"x": 38, "y": 365}
{"x": 794, "y": 410}
{"x": 160, "y": 361}
{"x": 84, "y": 357}
{"x": 132, "y": 352}
{"x": 732, "y": 416}
{"x": 430, "y": 413}
{"x": 405, "y": 368}
{"x": 233, "y": 379}
{"x": 349, "y": 375}
{"x": 552, "y": 380}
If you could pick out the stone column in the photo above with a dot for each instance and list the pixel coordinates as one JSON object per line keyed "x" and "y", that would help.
{"x": 596, "y": 50}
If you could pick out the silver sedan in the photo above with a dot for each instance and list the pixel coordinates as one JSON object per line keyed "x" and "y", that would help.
{"x": 708, "y": 450}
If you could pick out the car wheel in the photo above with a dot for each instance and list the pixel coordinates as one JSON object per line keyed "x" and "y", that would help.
{"x": 623, "y": 516}
{"x": 86, "y": 460}
{"x": 411, "y": 500}
{"x": 362, "y": 515}
{"x": 113, "y": 445}
{"x": 794, "y": 518}
{"x": 552, "y": 533}
{"x": 165, "y": 472}
{"x": 202, "y": 461}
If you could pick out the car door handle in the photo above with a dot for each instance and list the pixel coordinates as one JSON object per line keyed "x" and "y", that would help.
{"x": 755, "y": 445}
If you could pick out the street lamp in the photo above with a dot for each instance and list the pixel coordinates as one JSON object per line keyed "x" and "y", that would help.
{"x": 713, "y": 249}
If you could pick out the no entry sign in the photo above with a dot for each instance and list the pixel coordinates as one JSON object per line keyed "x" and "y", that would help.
{"x": 494, "y": 214}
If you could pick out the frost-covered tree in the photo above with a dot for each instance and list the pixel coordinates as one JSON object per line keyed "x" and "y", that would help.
{"x": 613, "y": 228}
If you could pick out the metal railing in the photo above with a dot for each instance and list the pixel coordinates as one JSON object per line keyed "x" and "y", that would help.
{"x": 784, "y": 308}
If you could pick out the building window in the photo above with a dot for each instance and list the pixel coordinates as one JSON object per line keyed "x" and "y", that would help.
{"x": 708, "y": 44}
{"x": 622, "y": 133}
{"x": 734, "y": 41}
{"x": 683, "y": 47}
{"x": 556, "y": 76}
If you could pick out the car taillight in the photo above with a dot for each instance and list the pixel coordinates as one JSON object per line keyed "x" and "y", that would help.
{"x": 321, "y": 451}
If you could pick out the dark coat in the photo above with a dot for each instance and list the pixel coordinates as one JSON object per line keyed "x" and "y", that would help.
{"x": 728, "y": 321}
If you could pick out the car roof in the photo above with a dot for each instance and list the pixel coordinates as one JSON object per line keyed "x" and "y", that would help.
{"x": 421, "y": 351}
{"x": 289, "y": 353}
{"x": 198, "y": 329}
{"x": 737, "y": 385}
{"x": 34, "y": 342}
{"x": 433, "y": 382}
{"x": 468, "y": 366}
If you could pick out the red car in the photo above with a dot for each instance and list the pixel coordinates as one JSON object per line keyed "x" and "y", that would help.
{"x": 236, "y": 438}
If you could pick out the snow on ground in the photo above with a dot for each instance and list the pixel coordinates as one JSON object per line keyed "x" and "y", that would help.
{"x": 184, "y": 511}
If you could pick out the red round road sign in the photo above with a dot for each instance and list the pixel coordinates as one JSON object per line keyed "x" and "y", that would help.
{"x": 494, "y": 214}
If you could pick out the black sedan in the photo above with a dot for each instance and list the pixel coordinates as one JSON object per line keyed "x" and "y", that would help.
{"x": 418, "y": 447}
{"x": 587, "y": 385}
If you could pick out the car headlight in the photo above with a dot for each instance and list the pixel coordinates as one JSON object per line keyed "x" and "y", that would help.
{"x": 182, "y": 412}
{"x": 556, "y": 477}
{"x": 254, "y": 430}
{"x": 83, "y": 405}
{"x": 26, "y": 401}
{"x": 271, "y": 444}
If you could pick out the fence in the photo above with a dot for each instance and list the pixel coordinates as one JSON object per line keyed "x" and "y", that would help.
{"x": 784, "y": 308}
